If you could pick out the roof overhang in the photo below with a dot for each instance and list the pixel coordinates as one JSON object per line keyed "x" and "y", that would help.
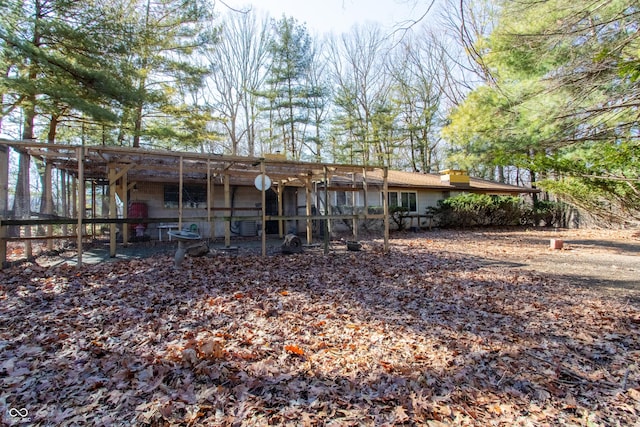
{"x": 145, "y": 165}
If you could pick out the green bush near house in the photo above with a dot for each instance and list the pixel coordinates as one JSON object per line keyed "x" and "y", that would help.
{"x": 544, "y": 212}
{"x": 479, "y": 210}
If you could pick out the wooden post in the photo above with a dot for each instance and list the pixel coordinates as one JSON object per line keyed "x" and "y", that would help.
{"x": 227, "y": 205}
{"x": 280, "y": 210}
{"x": 180, "y": 195}
{"x": 125, "y": 209}
{"x": 210, "y": 201}
{"x": 365, "y": 191}
{"x": 81, "y": 201}
{"x": 74, "y": 198}
{"x": 326, "y": 211}
{"x": 112, "y": 210}
{"x": 48, "y": 201}
{"x": 307, "y": 186}
{"x": 4, "y": 180}
{"x": 4, "y": 200}
{"x": 264, "y": 209}
{"x": 385, "y": 207}
{"x": 355, "y": 208}
{"x": 3, "y": 245}
{"x": 93, "y": 207}
{"x": 63, "y": 196}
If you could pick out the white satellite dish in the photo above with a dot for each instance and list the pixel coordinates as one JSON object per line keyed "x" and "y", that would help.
{"x": 258, "y": 182}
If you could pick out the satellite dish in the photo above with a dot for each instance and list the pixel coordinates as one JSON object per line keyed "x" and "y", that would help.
{"x": 258, "y": 182}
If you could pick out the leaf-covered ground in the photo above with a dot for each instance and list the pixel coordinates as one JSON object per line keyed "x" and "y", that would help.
{"x": 420, "y": 336}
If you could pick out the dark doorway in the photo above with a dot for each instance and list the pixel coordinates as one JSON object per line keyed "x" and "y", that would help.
{"x": 271, "y": 202}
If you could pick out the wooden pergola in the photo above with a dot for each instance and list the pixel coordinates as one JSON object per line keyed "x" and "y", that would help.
{"x": 121, "y": 168}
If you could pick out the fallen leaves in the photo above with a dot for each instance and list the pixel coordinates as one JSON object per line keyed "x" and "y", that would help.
{"x": 294, "y": 349}
{"x": 418, "y": 336}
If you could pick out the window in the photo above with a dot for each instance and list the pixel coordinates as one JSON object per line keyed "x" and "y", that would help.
{"x": 405, "y": 199}
{"x": 193, "y": 196}
{"x": 344, "y": 198}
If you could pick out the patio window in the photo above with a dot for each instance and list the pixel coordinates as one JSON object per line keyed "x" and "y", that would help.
{"x": 193, "y": 196}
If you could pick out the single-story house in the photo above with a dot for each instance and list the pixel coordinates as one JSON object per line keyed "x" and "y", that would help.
{"x": 139, "y": 192}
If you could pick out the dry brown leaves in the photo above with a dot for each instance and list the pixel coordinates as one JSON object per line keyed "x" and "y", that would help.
{"x": 413, "y": 337}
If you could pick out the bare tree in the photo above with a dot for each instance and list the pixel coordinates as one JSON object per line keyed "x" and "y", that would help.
{"x": 415, "y": 71}
{"x": 238, "y": 64}
{"x": 361, "y": 89}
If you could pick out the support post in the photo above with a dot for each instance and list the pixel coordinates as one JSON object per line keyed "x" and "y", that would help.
{"x": 365, "y": 195}
{"x": 93, "y": 207}
{"x": 4, "y": 200}
{"x": 81, "y": 201}
{"x": 3, "y": 244}
{"x": 264, "y": 209}
{"x": 209, "y": 199}
{"x": 181, "y": 182}
{"x": 4, "y": 180}
{"x": 385, "y": 207}
{"x": 280, "y": 211}
{"x": 48, "y": 201}
{"x": 64, "y": 196}
{"x": 112, "y": 211}
{"x": 227, "y": 205}
{"x": 125, "y": 209}
{"x": 74, "y": 196}
{"x": 355, "y": 208}
{"x": 326, "y": 211}
{"x": 307, "y": 186}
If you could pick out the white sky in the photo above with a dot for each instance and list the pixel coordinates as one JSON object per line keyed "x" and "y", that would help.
{"x": 338, "y": 16}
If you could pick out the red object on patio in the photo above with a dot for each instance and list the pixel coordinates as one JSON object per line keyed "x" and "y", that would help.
{"x": 137, "y": 210}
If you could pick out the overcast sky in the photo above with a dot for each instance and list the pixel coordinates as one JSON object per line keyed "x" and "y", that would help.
{"x": 338, "y": 16}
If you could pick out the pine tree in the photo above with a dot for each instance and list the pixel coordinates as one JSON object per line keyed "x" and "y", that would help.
{"x": 290, "y": 94}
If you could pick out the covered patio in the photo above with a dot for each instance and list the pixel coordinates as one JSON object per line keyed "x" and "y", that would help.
{"x": 122, "y": 170}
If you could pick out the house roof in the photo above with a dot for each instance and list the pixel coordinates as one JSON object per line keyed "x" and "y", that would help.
{"x": 415, "y": 180}
{"x": 168, "y": 166}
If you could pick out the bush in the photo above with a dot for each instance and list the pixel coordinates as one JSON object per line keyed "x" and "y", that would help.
{"x": 473, "y": 210}
{"x": 398, "y": 215}
{"x": 545, "y": 213}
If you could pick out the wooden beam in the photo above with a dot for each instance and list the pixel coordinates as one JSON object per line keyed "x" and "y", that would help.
{"x": 124, "y": 169}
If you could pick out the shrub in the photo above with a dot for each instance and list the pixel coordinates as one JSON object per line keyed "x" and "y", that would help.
{"x": 546, "y": 213}
{"x": 473, "y": 210}
{"x": 398, "y": 215}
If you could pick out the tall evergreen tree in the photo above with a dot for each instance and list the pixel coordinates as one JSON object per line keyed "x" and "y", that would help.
{"x": 289, "y": 91}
